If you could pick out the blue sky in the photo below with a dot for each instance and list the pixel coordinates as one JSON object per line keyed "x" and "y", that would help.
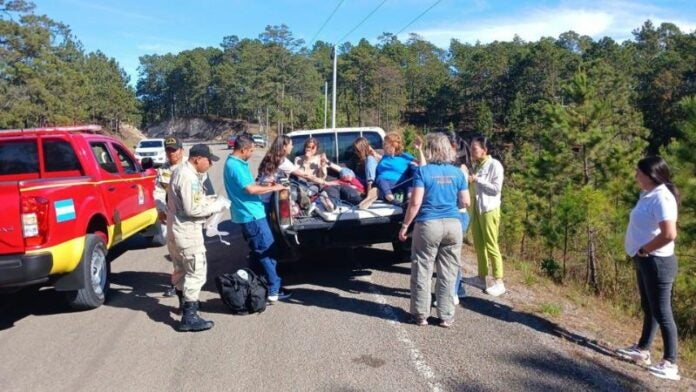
{"x": 127, "y": 29}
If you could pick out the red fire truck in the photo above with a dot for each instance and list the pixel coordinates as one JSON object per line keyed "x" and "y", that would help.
{"x": 67, "y": 195}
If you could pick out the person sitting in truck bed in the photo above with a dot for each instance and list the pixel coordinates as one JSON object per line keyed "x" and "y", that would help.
{"x": 276, "y": 165}
{"x": 394, "y": 171}
{"x": 315, "y": 163}
{"x": 364, "y": 164}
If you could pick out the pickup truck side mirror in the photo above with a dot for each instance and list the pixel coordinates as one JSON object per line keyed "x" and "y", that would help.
{"x": 147, "y": 163}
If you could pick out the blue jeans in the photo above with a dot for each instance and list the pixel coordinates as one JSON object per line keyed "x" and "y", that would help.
{"x": 655, "y": 276}
{"x": 459, "y": 288}
{"x": 262, "y": 248}
{"x": 389, "y": 187}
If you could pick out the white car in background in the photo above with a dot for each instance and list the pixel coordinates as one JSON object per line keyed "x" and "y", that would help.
{"x": 259, "y": 141}
{"x": 151, "y": 148}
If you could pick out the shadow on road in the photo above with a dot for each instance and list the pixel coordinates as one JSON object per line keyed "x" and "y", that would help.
{"x": 506, "y": 313}
{"x": 137, "y": 292}
{"x": 30, "y": 301}
{"x": 38, "y": 301}
{"x": 554, "y": 373}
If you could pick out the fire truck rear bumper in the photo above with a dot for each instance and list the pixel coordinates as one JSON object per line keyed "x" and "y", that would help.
{"x": 23, "y": 270}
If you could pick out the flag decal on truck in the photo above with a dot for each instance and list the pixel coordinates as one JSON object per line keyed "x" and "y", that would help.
{"x": 65, "y": 210}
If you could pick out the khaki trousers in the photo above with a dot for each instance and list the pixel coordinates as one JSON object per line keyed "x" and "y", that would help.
{"x": 196, "y": 269}
{"x": 436, "y": 243}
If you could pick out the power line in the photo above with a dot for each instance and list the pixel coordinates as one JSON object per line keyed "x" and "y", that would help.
{"x": 361, "y": 22}
{"x": 325, "y": 22}
{"x": 418, "y": 17}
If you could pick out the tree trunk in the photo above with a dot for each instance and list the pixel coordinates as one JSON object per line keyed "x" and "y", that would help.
{"x": 565, "y": 251}
{"x": 592, "y": 260}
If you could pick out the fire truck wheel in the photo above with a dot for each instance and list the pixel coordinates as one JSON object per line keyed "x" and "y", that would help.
{"x": 95, "y": 274}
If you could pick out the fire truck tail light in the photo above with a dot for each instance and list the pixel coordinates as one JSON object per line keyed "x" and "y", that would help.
{"x": 34, "y": 220}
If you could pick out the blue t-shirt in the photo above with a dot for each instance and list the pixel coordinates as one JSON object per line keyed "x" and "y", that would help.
{"x": 237, "y": 176}
{"x": 394, "y": 167}
{"x": 442, "y": 183}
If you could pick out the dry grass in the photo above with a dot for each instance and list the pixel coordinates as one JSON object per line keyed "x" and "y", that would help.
{"x": 574, "y": 309}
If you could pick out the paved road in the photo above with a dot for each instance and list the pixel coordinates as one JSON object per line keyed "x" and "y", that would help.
{"x": 345, "y": 329}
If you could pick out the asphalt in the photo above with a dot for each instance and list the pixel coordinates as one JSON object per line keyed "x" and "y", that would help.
{"x": 346, "y": 328}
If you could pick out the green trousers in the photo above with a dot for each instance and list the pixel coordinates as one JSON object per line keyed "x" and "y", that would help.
{"x": 485, "y": 231}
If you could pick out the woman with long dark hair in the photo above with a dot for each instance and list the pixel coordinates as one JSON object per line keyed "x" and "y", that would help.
{"x": 364, "y": 164}
{"x": 276, "y": 165}
{"x": 652, "y": 229}
{"x": 487, "y": 181}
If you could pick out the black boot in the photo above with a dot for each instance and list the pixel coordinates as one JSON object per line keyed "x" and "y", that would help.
{"x": 170, "y": 291}
{"x": 180, "y": 295}
{"x": 190, "y": 322}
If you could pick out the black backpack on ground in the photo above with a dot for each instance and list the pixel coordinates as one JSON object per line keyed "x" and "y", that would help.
{"x": 243, "y": 296}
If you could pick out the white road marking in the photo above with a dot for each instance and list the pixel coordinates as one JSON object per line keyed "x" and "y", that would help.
{"x": 417, "y": 358}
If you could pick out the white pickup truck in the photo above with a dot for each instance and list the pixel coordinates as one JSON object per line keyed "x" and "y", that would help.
{"x": 347, "y": 226}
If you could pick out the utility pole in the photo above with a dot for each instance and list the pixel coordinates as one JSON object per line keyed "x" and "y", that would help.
{"x": 334, "y": 54}
{"x": 326, "y": 101}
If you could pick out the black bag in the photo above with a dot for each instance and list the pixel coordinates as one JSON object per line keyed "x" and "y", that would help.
{"x": 243, "y": 296}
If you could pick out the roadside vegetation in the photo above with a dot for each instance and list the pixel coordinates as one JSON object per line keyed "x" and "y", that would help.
{"x": 570, "y": 117}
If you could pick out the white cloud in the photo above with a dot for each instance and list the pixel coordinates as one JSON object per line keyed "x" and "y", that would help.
{"x": 599, "y": 19}
{"x": 112, "y": 11}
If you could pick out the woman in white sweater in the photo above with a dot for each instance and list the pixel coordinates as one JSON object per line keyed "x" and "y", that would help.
{"x": 487, "y": 182}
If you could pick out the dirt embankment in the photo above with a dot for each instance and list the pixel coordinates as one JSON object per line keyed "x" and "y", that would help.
{"x": 210, "y": 129}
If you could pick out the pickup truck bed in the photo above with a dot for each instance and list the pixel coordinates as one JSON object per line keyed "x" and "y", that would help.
{"x": 346, "y": 227}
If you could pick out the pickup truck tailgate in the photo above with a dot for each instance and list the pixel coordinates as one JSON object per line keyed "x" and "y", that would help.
{"x": 11, "y": 239}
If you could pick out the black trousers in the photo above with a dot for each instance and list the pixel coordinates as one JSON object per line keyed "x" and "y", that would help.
{"x": 343, "y": 192}
{"x": 655, "y": 280}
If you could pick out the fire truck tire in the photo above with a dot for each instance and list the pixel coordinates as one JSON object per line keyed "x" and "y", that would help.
{"x": 95, "y": 275}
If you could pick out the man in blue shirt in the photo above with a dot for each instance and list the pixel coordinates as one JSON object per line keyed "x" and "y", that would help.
{"x": 248, "y": 211}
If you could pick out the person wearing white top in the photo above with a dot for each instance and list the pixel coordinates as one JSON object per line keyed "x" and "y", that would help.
{"x": 487, "y": 179}
{"x": 652, "y": 229}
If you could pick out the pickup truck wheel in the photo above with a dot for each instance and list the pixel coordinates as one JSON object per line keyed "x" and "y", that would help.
{"x": 402, "y": 250}
{"x": 96, "y": 275}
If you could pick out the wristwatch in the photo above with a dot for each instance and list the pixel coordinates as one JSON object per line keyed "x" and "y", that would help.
{"x": 642, "y": 252}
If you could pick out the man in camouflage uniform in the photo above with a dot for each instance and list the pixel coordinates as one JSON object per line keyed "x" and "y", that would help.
{"x": 175, "y": 155}
{"x": 187, "y": 202}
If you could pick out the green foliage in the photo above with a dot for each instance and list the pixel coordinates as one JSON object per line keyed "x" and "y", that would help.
{"x": 682, "y": 160}
{"x": 550, "y": 309}
{"x": 570, "y": 117}
{"x": 46, "y": 78}
{"x": 552, "y": 269}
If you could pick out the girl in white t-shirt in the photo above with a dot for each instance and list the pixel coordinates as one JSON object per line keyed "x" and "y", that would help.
{"x": 649, "y": 240}
{"x": 276, "y": 165}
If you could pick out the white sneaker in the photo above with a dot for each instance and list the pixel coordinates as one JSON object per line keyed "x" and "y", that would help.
{"x": 633, "y": 353}
{"x": 279, "y": 296}
{"x": 496, "y": 290}
{"x": 665, "y": 369}
{"x": 456, "y": 300}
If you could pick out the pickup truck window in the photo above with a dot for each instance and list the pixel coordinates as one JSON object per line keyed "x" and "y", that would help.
{"x": 59, "y": 156}
{"x": 103, "y": 157}
{"x": 127, "y": 163}
{"x": 151, "y": 144}
{"x": 19, "y": 157}
{"x": 345, "y": 145}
